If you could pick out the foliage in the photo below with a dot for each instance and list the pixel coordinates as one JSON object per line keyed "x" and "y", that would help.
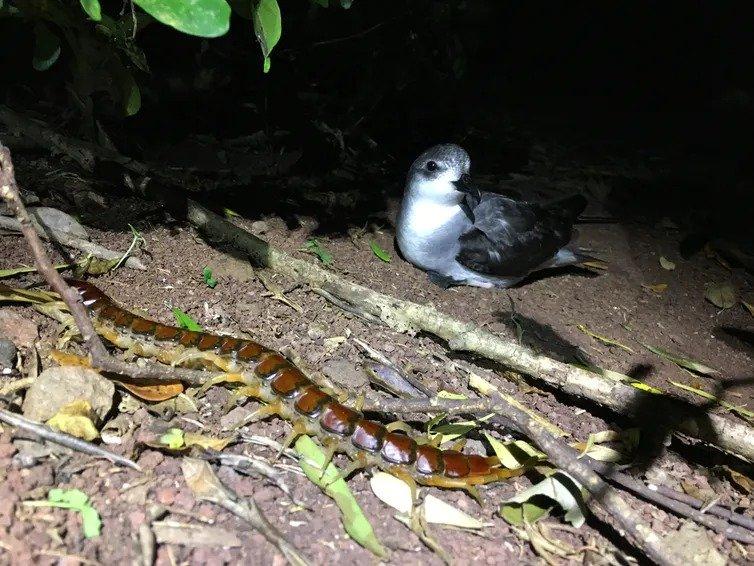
{"x": 101, "y": 49}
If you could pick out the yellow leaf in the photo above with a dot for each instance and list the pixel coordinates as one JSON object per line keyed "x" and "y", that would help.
{"x": 658, "y": 288}
{"x": 203, "y": 441}
{"x": 75, "y": 418}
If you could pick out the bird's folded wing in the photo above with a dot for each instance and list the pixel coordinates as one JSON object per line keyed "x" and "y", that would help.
{"x": 510, "y": 238}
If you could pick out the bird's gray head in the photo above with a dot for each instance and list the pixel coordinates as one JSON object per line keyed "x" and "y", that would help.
{"x": 436, "y": 172}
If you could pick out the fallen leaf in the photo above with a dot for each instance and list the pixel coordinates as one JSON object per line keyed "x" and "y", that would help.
{"x": 681, "y": 361}
{"x": 560, "y": 488}
{"x": 75, "y": 500}
{"x": 658, "y": 288}
{"x": 379, "y": 252}
{"x": 204, "y": 441}
{"x": 439, "y": 512}
{"x": 354, "y": 520}
{"x": 185, "y": 321}
{"x": 156, "y": 391}
{"x": 738, "y": 409}
{"x": 665, "y": 263}
{"x": 313, "y": 246}
{"x": 392, "y": 491}
{"x": 722, "y": 296}
{"x": 173, "y": 439}
{"x": 75, "y": 418}
{"x": 604, "y": 339}
{"x": 515, "y": 454}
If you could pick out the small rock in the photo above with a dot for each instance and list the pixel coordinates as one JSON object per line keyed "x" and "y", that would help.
{"x": 346, "y": 373}
{"x": 7, "y": 354}
{"x": 57, "y": 387}
{"x": 18, "y": 329}
{"x": 260, "y": 227}
{"x": 316, "y": 330}
{"x": 58, "y": 221}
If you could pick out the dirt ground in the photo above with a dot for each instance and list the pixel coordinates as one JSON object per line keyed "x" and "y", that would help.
{"x": 624, "y": 303}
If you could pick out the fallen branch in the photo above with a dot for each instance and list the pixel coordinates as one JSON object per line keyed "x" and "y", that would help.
{"x": 403, "y": 316}
{"x": 100, "y": 357}
{"x": 605, "y": 499}
{"x": 63, "y": 439}
{"x": 59, "y": 237}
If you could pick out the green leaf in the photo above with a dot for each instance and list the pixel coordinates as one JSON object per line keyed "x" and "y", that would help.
{"x": 46, "y": 48}
{"x": 515, "y": 454}
{"x": 185, "y": 321}
{"x": 722, "y": 296}
{"x": 379, "y": 252}
{"x": 203, "y": 18}
{"x": 738, "y": 409}
{"x": 313, "y": 247}
{"x": 527, "y": 512}
{"x": 76, "y": 500}
{"x": 560, "y": 488}
{"x": 173, "y": 439}
{"x": 682, "y": 361}
{"x": 72, "y": 497}
{"x": 268, "y": 27}
{"x": 91, "y": 521}
{"x": 92, "y": 9}
{"x": 354, "y": 520}
{"x": 208, "y": 279}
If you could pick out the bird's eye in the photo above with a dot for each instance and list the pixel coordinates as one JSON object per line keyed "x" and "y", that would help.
{"x": 432, "y": 166}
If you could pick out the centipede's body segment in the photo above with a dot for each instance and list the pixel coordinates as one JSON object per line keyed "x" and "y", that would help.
{"x": 278, "y": 382}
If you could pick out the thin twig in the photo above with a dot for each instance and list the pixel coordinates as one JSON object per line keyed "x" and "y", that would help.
{"x": 101, "y": 359}
{"x": 730, "y": 435}
{"x": 559, "y": 453}
{"x": 67, "y": 440}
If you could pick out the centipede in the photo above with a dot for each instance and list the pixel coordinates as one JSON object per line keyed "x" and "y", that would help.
{"x": 287, "y": 392}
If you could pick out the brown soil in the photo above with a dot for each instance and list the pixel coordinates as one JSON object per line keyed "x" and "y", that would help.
{"x": 547, "y": 311}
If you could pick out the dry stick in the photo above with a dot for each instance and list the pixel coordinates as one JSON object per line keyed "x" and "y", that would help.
{"x": 560, "y": 454}
{"x": 679, "y": 503}
{"x": 63, "y": 439}
{"x": 401, "y": 315}
{"x": 670, "y": 500}
{"x": 563, "y": 456}
{"x": 101, "y": 359}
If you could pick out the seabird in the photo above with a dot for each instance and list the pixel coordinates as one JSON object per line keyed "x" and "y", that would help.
{"x": 460, "y": 235}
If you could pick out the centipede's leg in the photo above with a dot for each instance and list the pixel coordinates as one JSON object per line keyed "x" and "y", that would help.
{"x": 358, "y": 464}
{"x": 459, "y": 444}
{"x": 330, "y": 446}
{"x": 299, "y": 428}
{"x": 209, "y": 357}
{"x": 262, "y": 412}
{"x": 399, "y": 425}
{"x": 435, "y": 441}
{"x": 223, "y": 378}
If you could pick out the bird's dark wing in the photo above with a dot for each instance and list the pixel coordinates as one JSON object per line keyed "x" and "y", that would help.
{"x": 512, "y": 238}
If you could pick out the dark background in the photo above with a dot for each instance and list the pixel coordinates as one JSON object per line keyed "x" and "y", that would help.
{"x": 671, "y": 81}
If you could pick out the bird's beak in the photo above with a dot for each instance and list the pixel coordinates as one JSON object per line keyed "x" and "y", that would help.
{"x": 464, "y": 185}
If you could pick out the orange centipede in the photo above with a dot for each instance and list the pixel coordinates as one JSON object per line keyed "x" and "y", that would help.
{"x": 288, "y": 392}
